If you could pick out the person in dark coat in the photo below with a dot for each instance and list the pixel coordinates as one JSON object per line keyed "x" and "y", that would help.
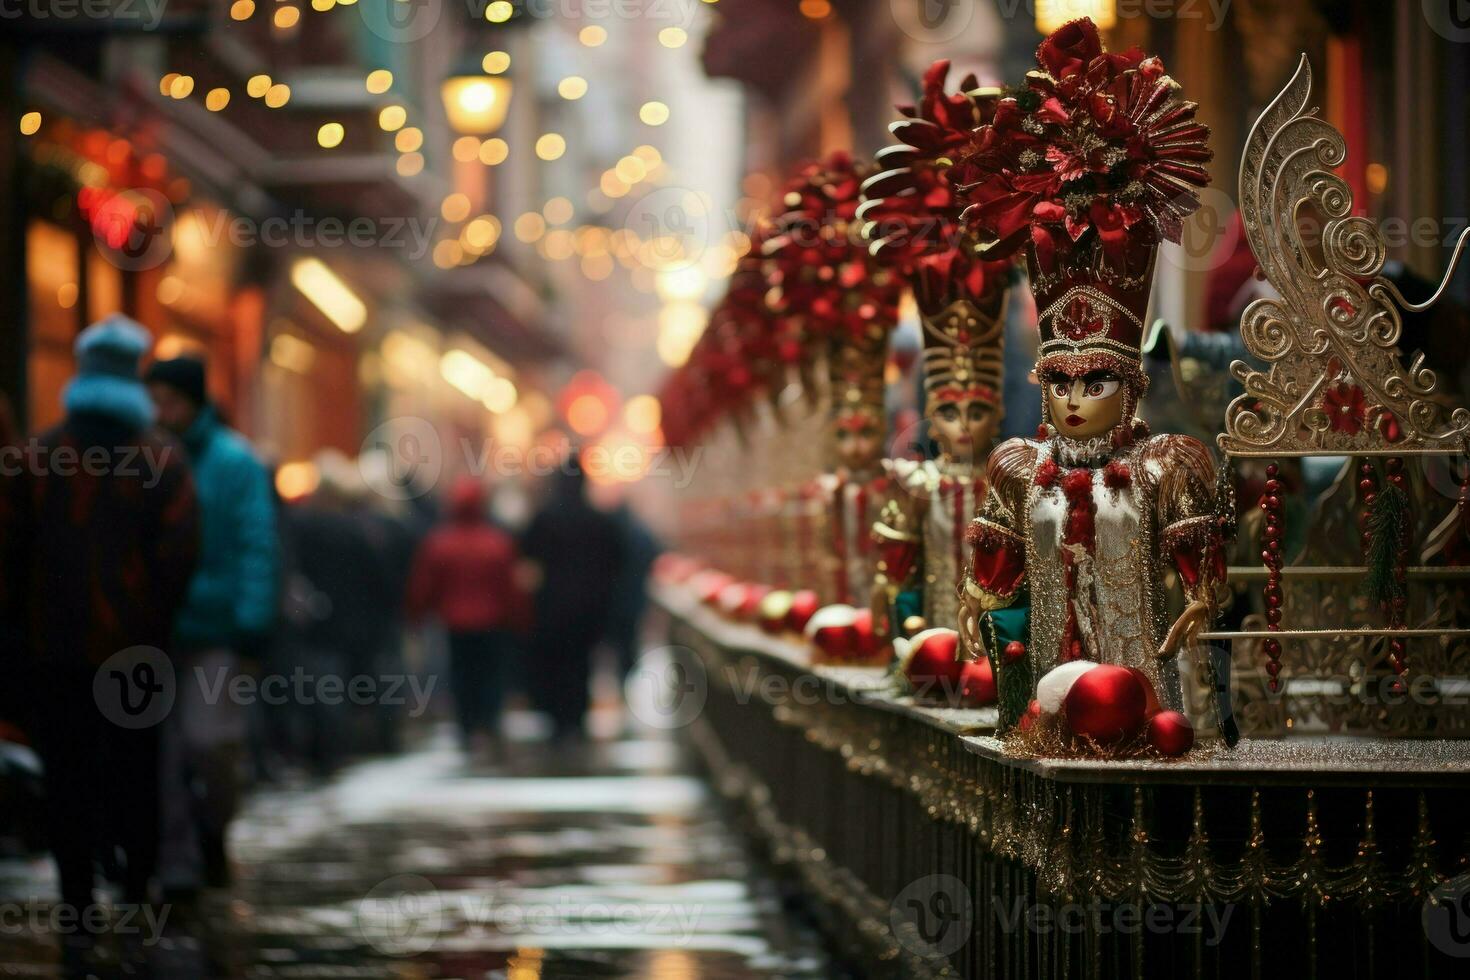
{"x": 630, "y": 592}
{"x": 337, "y": 587}
{"x": 577, "y": 550}
{"x": 225, "y": 625}
{"x": 464, "y": 575}
{"x": 98, "y": 540}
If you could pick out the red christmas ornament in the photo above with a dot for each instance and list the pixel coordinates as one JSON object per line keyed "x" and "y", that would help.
{"x": 711, "y": 584}
{"x": 732, "y": 598}
{"x": 932, "y": 669}
{"x": 1013, "y": 652}
{"x": 1170, "y": 733}
{"x": 1106, "y": 704}
{"x": 804, "y": 603}
{"x": 1152, "y": 706}
{"x": 1033, "y": 712}
{"x": 775, "y": 608}
{"x": 867, "y": 646}
{"x": 832, "y": 634}
{"x": 977, "y": 684}
{"x": 751, "y": 604}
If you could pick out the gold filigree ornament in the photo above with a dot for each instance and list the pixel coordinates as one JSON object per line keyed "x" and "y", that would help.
{"x": 1336, "y": 381}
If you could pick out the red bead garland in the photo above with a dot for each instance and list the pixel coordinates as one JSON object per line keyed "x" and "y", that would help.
{"x": 1271, "y": 557}
{"x": 1463, "y": 504}
{"x": 1398, "y": 612}
{"x": 1367, "y": 493}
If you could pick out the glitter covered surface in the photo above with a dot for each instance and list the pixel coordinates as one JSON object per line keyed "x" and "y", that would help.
{"x": 870, "y": 685}
{"x": 1299, "y": 760}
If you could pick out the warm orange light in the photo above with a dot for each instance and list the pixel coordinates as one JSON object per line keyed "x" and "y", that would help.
{"x": 586, "y": 414}
{"x": 493, "y": 151}
{"x": 476, "y": 104}
{"x": 642, "y": 414}
{"x": 296, "y": 480}
{"x": 392, "y": 118}
{"x": 1052, "y": 14}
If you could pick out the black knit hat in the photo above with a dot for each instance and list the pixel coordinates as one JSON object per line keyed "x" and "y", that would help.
{"x": 184, "y": 374}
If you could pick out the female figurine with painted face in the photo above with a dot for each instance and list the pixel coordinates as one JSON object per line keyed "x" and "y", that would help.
{"x": 1090, "y": 168}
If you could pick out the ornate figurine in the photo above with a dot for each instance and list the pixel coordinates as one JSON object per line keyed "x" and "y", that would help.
{"x": 1092, "y": 166}
{"x": 922, "y": 524}
{"x": 853, "y": 491}
{"x": 911, "y": 213}
{"x": 834, "y": 308}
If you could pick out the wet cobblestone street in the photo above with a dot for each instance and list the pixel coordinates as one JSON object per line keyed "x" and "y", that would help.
{"x": 428, "y": 866}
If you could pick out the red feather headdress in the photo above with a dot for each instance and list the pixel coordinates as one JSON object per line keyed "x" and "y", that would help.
{"x": 1093, "y": 164}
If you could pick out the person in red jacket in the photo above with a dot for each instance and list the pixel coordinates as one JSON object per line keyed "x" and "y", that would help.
{"x": 465, "y": 576}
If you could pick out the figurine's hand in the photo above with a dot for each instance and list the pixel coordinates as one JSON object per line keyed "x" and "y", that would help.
{"x": 969, "y": 629}
{"x": 1191, "y": 622}
{"x": 878, "y": 603}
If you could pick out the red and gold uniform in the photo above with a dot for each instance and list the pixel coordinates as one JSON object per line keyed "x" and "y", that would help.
{"x": 1089, "y": 169}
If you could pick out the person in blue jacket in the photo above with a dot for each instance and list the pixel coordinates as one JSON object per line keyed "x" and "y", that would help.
{"x": 227, "y": 618}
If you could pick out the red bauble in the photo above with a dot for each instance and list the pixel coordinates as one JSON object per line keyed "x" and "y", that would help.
{"x": 1170, "y": 733}
{"x": 710, "y": 585}
{"x": 774, "y": 609}
{"x": 1033, "y": 712}
{"x": 831, "y": 632}
{"x": 1013, "y": 652}
{"x": 932, "y": 669}
{"x": 1106, "y": 704}
{"x": 868, "y": 646}
{"x": 732, "y": 598}
{"x": 750, "y": 607}
{"x": 673, "y": 568}
{"x": 804, "y": 603}
{"x": 1152, "y": 707}
{"x": 977, "y": 683}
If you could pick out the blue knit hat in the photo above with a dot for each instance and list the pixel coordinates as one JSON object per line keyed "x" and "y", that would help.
{"x": 108, "y": 353}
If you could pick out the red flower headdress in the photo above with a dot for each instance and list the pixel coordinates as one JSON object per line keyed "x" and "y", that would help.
{"x": 911, "y": 209}
{"x": 911, "y": 212}
{"x": 1093, "y": 164}
{"x": 826, "y": 291}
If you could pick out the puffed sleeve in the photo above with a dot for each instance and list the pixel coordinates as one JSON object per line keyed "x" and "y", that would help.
{"x": 997, "y": 547}
{"x": 1189, "y": 529}
{"x": 896, "y": 532}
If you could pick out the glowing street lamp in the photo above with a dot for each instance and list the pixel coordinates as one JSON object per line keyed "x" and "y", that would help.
{"x": 476, "y": 104}
{"x": 1052, "y": 14}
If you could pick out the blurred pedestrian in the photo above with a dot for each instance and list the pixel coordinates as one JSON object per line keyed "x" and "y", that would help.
{"x": 339, "y": 585}
{"x": 465, "y": 576}
{"x": 577, "y": 551}
{"x": 393, "y": 529}
{"x": 98, "y": 536}
{"x": 227, "y": 618}
{"x": 630, "y": 589}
